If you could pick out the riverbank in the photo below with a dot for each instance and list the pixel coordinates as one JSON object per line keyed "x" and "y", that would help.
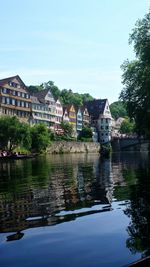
{"x": 60, "y": 147}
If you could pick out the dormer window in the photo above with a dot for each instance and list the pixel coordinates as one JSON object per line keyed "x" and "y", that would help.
{"x": 5, "y": 90}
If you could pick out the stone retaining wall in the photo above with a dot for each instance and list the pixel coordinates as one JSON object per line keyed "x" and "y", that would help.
{"x": 73, "y": 147}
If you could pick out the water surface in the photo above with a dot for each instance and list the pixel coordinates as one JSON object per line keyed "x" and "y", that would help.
{"x": 75, "y": 210}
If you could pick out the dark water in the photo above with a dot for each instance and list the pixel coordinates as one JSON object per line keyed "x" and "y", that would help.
{"x": 75, "y": 210}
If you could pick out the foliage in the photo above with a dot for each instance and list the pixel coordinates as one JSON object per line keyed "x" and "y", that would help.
{"x": 127, "y": 127}
{"x": 34, "y": 89}
{"x": 40, "y": 137}
{"x": 66, "y": 96}
{"x": 118, "y": 109}
{"x": 13, "y": 133}
{"x": 138, "y": 210}
{"x": 86, "y": 133}
{"x": 136, "y": 77}
{"x": 67, "y": 129}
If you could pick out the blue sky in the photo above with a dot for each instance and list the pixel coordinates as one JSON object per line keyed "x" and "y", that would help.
{"x": 78, "y": 44}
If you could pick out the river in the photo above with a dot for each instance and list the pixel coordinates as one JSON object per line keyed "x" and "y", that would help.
{"x": 75, "y": 210}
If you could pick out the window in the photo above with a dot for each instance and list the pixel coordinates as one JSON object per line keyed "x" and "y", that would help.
{"x": 18, "y": 103}
{"x": 13, "y": 102}
{"x": 27, "y": 104}
{"x": 23, "y": 95}
{"x": 19, "y": 94}
{"x": 10, "y": 83}
{"x": 5, "y": 90}
{"x": 7, "y": 100}
{"x": 22, "y": 103}
{"x": 3, "y": 99}
{"x": 14, "y": 92}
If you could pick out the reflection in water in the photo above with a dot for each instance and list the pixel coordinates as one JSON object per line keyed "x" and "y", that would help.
{"x": 50, "y": 190}
{"x": 15, "y": 236}
{"x": 34, "y": 191}
{"x": 137, "y": 177}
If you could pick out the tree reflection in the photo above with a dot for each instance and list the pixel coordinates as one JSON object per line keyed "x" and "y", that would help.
{"x": 139, "y": 212}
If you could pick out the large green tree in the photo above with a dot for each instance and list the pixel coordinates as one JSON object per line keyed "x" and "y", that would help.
{"x": 40, "y": 137}
{"x": 14, "y": 133}
{"x": 136, "y": 77}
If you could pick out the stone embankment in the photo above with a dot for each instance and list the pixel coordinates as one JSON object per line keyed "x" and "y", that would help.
{"x": 73, "y": 147}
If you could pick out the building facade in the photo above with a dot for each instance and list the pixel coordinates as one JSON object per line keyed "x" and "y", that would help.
{"x": 101, "y": 118}
{"x": 72, "y": 117}
{"x": 15, "y": 99}
{"x": 79, "y": 120}
{"x": 58, "y": 116}
{"x": 46, "y": 97}
{"x": 86, "y": 117}
{"x": 39, "y": 112}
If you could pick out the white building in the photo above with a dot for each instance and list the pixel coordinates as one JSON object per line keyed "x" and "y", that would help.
{"x": 101, "y": 119}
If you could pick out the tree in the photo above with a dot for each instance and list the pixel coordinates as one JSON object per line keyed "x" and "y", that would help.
{"x": 127, "y": 127}
{"x": 136, "y": 77}
{"x": 86, "y": 133}
{"x": 67, "y": 128}
{"x": 14, "y": 133}
{"x": 118, "y": 109}
{"x": 40, "y": 137}
{"x": 34, "y": 89}
{"x": 68, "y": 97}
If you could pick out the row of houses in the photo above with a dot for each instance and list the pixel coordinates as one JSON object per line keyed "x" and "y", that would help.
{"x": 42, "y": 107}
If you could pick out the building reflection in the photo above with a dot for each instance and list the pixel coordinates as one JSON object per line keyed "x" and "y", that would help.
{"x": 33, "y": 192}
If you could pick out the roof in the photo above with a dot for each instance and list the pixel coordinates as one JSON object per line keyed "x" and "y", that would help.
{"x": 41, "y": 94}
{"x": 96, "y": 107}
{"x": 35, "y": 100}
{"x": 9, "y": 79}
{"x": 68, "y": 107}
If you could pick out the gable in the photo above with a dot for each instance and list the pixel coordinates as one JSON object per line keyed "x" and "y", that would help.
{"x": 107, "y": 109}
{"x": 85, "y": 112}
{"x": 79, "y": 112}
{"x": 72, "y": 109}
{"x": 49, "y": 96}
{"x": 14, "y": 83}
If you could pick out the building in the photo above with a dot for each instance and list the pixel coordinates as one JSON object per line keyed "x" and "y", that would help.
{"x": 65, "y": 114}
{"x": 116, "y": 124}
{"x": 85, "y": 117}
{"x": 72, "y": 117}
{"x": 100, "y": 118}
{"x": 45, "y": 96}
{"x": 40, "y": 112}
{"x": 14, "y": 98}
{"x": 79, "y": 120}
{"x": 58, "y": 116}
